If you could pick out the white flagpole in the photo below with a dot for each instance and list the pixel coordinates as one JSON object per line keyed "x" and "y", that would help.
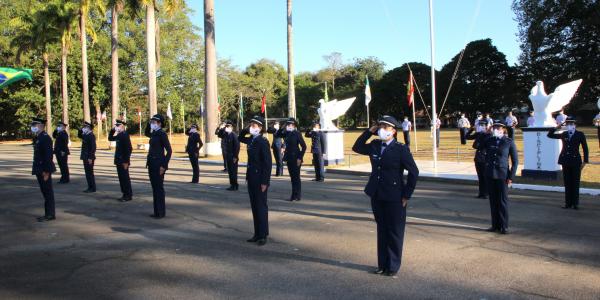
{"x": 433, "y": 105}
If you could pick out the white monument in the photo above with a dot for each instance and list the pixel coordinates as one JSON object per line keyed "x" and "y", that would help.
{"x": 540, "y": 152}
{"x": 334, "y": 137}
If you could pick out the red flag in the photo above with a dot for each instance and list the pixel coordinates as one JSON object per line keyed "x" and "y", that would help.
{"x": 263, "y": 106}
{"x": 410, "y": 89}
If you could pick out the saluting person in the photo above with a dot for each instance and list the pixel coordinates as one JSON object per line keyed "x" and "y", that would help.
{"x": 61, "y": 150}
{"x": 480, "y": 135}
{"x": 387, "y": 189}
{"x": 43, "y": 167}
{"x": 220, "y": 132}
{"x": 258, "y": 175}
{"x": 157, "y": 163}
{"x": 317, "y": 148}
{"x": 294, "y": 149}
{"x": 277, "y": 149}
{"x": 88, "y": 154}
{"x": 570, "y": 159}
{"x": 122, "y": 159}
{"x": 193, "y": 146}
{"x": 499, "y": 175}
{"x": 232, "y": 151}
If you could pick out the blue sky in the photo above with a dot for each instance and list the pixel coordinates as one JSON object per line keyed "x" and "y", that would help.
{"x": 395, "y": 31}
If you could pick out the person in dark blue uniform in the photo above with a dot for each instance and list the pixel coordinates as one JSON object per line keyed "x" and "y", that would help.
{"x": 387, "y": 189}
{"x": 480, "y": 135}
{"x": 294, "y": 149}
{"x": 61, "y": 150}
{"x": 43, "y": 167}
{"x": 194, "y": 143}
{"x": 277, "y": 149}
{"x": 570, "y": 159}
{"x": 157, "y": 163}
{"x": 499, "y": 175}
{"x": 220, "y": 132}
{"x": 317, "y": 148}
{"x": 88, "y": 154}
{"x": 232, "y": 151}
{"x": 122, "y": 158}
{"x": 258, "y": 175}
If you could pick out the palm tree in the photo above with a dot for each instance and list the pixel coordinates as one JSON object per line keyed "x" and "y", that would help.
{"x": 85, "y": 6}
{"x": 116, "y": 7}
{"x": 35, "y": 36}
{"x": 290, "y": 53}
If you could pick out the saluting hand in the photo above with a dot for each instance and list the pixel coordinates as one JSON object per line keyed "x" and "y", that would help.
{"x": 373, "y": 129}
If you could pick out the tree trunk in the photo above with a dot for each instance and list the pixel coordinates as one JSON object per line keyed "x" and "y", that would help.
{"x": 84, "y": 68}
{"x": 151, "y": 55}
{"x": 114, "y": 54}
{"x": 47, "y": 91}
{"x": 64, "y": 88}
{"x": 290, "y": 53}
{"x": 98, "y": 112}
{"x": 210, "y": 73}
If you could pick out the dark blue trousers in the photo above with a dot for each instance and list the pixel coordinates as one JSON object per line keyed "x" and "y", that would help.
{"x": 64, "y": 167}
{"x": 89, "y": 174}
{"x": 294, "y": 171}
{"x": 260, "y": 210}
{"x": 480, "y": 168}
{"x": 278, "y": 161}
{"x": 319, "y": 166}
{"x": 158, "y": 190}
{"x": 498, "y": 195}
{"x": 406, "y": 137}
{"x": 195, "y": 167}
{"x": 463, "y": 135}
{"x": 232, "y": 171}
{"x": 48, "y": 193}
{"x": 390, "y": 217}
{"x": 571, "y": 177}
{"x": 124, "y": 180}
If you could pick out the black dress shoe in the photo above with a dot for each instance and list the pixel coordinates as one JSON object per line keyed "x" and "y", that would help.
{"x": 46, "y": 218}
{"x": 492, "y": 229}
{"x": 261, "y": 241}
{"x": 481, "y": 197}
{"x": 156, "y": 216}
{"x": 231, "y": 188}
{"x": 378, "y": 271}
{"x": 390, "y": 273}
{"x": 252, "y": 240}
{"x": 566, "y": 206}
{"x": 224, "y": 170}
{"x": 321, "y": 180}
{"x": 503, "y": 231}
{"x": 89, "y": 191}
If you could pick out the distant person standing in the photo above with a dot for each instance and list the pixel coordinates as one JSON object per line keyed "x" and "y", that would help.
{"x": 499, "y": 174}
{"x": 597, "y": 124}
{"x": 317, "y": 149}
{"x": 193, "y": 146}
{"x": 157, "y": 163}
{"x": 294, "y": 149}
{"x": 561, "y": 118}
{"x": 489, "y": 120}
{"x": 43, "y": 167}
{"x": 277, "y": 149}
{"x": 122, "y": 158}
{"x": 463, "y": 128}
{"x": 88, "y": 154}
{"x": 511, "y": 123}
{"x": 480, "y": 136}
{"x": 220, "y": 132}
{"x": 570, "y": 160}
{"x": 61, "y": 150}
{"x": 531, "y": 119}
{"x": 406, "y": 127}
{"x": 477, "y": 120}
{"x": 232, "y": 152}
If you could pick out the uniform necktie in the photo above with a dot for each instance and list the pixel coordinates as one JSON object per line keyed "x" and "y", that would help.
{"x": 383, "y": 145}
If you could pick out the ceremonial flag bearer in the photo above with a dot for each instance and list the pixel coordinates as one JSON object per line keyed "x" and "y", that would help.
{"x": 387, "y": 189}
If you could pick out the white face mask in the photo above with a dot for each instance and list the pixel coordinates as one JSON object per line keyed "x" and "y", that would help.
{"x": 571, "y": 128}
{"x": 60, "y": 128}
{"x": 193, "y": 130}
{"x": 276, "y": 126}
{"x": 498, "y": 133}
{"x": 289, "y": 128}
{"x": 228, "y": 129}
{"x": 384, "y": 134}
{"x": 85, "y": 130}
{"x": 254, "y": 131}
{"x": 316, "y": 129}
{"x": 154, "y": 126}
{"x": 34, "y": 129}
{"x": 119, "y": 128}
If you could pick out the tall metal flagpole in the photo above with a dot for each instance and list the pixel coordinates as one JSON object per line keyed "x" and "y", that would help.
{"x": 433, "y": 106}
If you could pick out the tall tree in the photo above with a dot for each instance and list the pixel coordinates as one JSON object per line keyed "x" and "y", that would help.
{"x": 116, "y": 7}
{"x": 290, "y": 57}
{"x": 334, "y": 65}
{"x": 210, "y": 75}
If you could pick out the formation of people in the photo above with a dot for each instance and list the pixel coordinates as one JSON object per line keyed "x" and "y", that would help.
{"x": 496, "y": 164}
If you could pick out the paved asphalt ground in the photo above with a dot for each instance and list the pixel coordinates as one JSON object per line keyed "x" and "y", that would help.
{"x": 321, "y": 247}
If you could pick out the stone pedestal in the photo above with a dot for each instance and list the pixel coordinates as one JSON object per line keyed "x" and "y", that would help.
{"x": 213, "y": 148}
{"x": 334, "y": 147}
{"x": 540, "y": 154}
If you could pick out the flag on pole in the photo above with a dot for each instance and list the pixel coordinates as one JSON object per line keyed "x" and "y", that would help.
{"x": 367, "y": 92}
{"x": 410, "y": 89}
{"x": 12, "y": 75}
{"x": 219, "y": 103}
{"x": 241, "y": 108}
{"x": 169, "y": 113}
{"x": 263, "y": 106}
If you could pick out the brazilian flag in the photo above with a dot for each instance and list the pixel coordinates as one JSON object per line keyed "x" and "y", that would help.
{"x": 12, "y": 75}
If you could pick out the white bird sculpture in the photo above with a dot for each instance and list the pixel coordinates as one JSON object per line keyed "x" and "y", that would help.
{"x": 544, "y": 105}
{"x": 331, "y": 110}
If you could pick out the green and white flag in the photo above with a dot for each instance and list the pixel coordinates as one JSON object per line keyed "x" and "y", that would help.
{"x": 367, "y": 92}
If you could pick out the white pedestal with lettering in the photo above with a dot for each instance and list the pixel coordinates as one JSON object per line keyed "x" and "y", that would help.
{"x": 540, "y": 154}
{"x": 334, "y": 147}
